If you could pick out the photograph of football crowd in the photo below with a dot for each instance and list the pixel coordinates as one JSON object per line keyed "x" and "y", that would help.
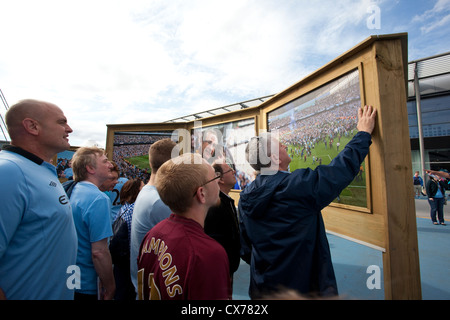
{"x": 130, "y": 152}
{"x": 316, "y": 127}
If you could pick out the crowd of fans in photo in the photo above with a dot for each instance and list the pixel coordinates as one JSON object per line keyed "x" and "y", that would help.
{"x": 122, "y": 153}
{"x": 327, "y": 120}
{"x": 133, "y": 145}
{"x": 62, "y": 165}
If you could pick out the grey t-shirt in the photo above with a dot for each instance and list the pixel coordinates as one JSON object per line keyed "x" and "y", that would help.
{"x": 149, "y": 210}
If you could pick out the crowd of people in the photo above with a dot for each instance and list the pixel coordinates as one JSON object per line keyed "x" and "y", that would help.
{"x": 181, "y": 234}
{"x": 64, "y": 169}
{"x": 328, "y": 117}
{"x": 128, "y": 146}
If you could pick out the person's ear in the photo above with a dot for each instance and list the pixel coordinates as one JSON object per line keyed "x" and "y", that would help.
{"x": 90, "y": 169}
{"x": 275, "y": 158}
{"x": 31, "y": 126}
{"x": 200, "y": 195}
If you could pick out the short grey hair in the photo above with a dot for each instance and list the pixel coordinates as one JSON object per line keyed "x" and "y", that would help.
{"x": 259, "y": 150}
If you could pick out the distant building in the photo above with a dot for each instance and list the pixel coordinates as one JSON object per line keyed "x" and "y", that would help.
{"x": 433, "y": 74}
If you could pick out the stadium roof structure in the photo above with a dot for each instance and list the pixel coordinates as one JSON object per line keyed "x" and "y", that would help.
{"x": 430, "y": 66}
{"x": 220, "y": 110}
{"x": 433, "y": 74}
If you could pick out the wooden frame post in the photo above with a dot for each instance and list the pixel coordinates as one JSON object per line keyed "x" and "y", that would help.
{"x": 392, "y": 164}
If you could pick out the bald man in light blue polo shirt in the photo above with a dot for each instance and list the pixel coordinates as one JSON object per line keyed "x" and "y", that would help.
{"x": 38, "y": 242}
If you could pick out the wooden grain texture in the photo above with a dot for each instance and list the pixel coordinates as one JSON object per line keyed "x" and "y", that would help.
{"x": 401, "y": 260}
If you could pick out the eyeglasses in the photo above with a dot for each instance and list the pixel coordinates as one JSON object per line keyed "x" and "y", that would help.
{"x": 227, "y": 172}
{"x": 217, "y": 176}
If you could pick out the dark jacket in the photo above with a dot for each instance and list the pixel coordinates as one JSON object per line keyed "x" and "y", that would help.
{"x": 221, "y": 224}
{"x": 432, "y": 187}
{"x": 280, "y": 217}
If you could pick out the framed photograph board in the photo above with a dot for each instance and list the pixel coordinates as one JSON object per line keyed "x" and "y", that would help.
{"x": 316, "y": 127}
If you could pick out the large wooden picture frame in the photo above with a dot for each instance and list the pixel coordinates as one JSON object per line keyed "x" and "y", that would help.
{"x": 386, "y": 220}
{"x": 317, "y": 125}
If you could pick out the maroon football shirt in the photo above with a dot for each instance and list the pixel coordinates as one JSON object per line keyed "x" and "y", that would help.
{"x": 178, "y": 260}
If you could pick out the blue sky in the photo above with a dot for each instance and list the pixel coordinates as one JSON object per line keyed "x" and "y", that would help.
{"x": 145, "y": 61}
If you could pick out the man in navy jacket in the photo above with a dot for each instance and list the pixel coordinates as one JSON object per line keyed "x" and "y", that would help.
{"x": 282, "y": 229}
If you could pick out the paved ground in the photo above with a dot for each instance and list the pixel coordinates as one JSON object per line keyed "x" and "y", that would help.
{"x": 351, "y": 262}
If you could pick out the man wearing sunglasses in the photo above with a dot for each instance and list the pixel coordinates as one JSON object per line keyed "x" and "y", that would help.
{"x": 177, "y": 259}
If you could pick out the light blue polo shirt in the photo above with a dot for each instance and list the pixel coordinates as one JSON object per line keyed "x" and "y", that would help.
{"x": 38, "y": 241}
{"x": 91, "y": 213}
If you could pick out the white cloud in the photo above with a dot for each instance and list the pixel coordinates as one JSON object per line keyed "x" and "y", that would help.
{"x": 436, "y": 17}
{"x": 439, "y": 23}
{"x": 149, "y": 61}
{"x": 439, "y": 7}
